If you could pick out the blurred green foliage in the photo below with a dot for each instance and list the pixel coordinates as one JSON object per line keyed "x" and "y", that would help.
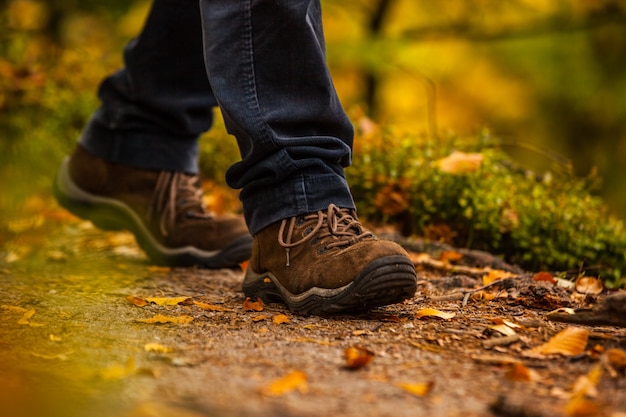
{"x": 415, "y": 69}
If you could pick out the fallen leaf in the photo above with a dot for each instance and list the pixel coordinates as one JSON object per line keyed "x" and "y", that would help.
{"x": 564, "y": 283}
{"x": 244, "y": 266}
{"x": 159, "y": 318}
{"x": 25, "y": 320}
{"x": 450, "y": 256}
{"x": 58, "y": 356}
{"x": 296, "y": 380}
{"x": 280, "y": 319}
{"x": 483, "y": 296}
{"x": 119, "y": 371}
{"x": 210, "y": 307}
{"x": 258, "y": 318}
{"x": 519, "y": 372}
{"x": 15, "y": 309}
{"x": 544, "y": 276}
{"x": 139, "y": 302}
{"x": 569, "y": 342}
{"x": 249, "y": 305}
{"x": 155, "y": 347}
{"x": 431, "y": 312}
{"x": 616, "y": 359}
{"x": 589, "y": 285}
{"x": 419, "y": 389}
{"x": 357, "y": 357}
{"x": 460, "y": 162}
{"x": 508, "y": 323}
{"x": 584, "y": 390}
{"x": 503, "y": 328}
{"x": 169, "y": 301}
{"x": 157, "y": 268}
{"x": 496, "y": 275}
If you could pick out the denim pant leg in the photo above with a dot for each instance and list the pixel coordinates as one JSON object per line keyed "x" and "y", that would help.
{"x": 155, "y": 108}
{"x": 266, "y": 65}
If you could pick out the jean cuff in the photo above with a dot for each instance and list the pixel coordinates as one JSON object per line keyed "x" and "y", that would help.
{"x": 140, "y": 150}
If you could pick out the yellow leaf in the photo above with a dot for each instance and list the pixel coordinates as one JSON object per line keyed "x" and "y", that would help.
{"x": 25, "y": 320}
{"x": 495, "y": 275}
{"x": 357, "y": 357}
{"x": 280, "y": 319}
{"x": 569, "y": 342}
{"x": 155, "y": 347}
{"x": 431, "y": 312}
{"x": 159, "y": 318}
{"x": 119, "y": 371}
{"x": 420, "y": 389}
{"x": 15, "y": 309}
{"x": 258, "y": 318}
{"x": 156, "y": 268}
{"x": 210, "y": 307}
{"x": 460, "y": 162}
{"x": 295, "y": 380}
{"x": 169, "y": 301}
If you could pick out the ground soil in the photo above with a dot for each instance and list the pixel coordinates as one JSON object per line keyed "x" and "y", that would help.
{"x": 71, "y": 343}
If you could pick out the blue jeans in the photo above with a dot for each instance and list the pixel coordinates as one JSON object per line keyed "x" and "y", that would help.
{"x": 263, "y": 63}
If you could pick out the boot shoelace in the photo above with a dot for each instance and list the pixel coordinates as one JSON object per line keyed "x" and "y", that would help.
{"x": 340, "y": 224}
{"x": 174, "y": 193}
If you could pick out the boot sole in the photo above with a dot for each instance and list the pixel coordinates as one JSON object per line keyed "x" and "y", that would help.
{"x": 384, "y": 281}
{"x": 110, "y": 214}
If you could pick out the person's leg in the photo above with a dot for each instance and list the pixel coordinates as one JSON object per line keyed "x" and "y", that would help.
{"x": 266, "y": 65}
{"x": 135, "y": 165}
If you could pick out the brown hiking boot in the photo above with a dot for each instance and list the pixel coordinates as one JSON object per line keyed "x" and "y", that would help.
{"x": 326, "y": 263}
{"x": 164, "y": 211}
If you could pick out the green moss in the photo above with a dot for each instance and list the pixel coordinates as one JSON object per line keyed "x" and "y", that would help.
{"x": 547, "y": 222}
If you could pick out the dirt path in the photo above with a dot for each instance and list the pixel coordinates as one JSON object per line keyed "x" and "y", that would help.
{"x": 72, "y": 343}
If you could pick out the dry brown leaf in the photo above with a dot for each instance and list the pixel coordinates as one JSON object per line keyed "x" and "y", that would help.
{"x": 160, "y": 319}
{"x": 589, "y": 285}
{"x": 280, "y": 319}
{"x": 616, "y": 359}
{"x": 249, "y": 305}
{"x": 419, "y": 389}
{"x": 483, "y": 296}
{"x": 431, "y": 312}
{"x": 584, "y": 390}
{"x": 139, "y": 302}
{"x": 569, "y": 342}
{"x": 519, "y": 372}
{"x": 503, "y": 328}
{"x": 544, "y": 276}
{"x": 210, "y": 307}
{"x": 296, "y": 380}
{"x": 460, "y": 162}
{"x": 357, "y": 357}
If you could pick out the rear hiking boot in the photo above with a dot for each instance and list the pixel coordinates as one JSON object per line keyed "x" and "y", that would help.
{"x": 163, "y": 209}
{"x": 327, "y": 263}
